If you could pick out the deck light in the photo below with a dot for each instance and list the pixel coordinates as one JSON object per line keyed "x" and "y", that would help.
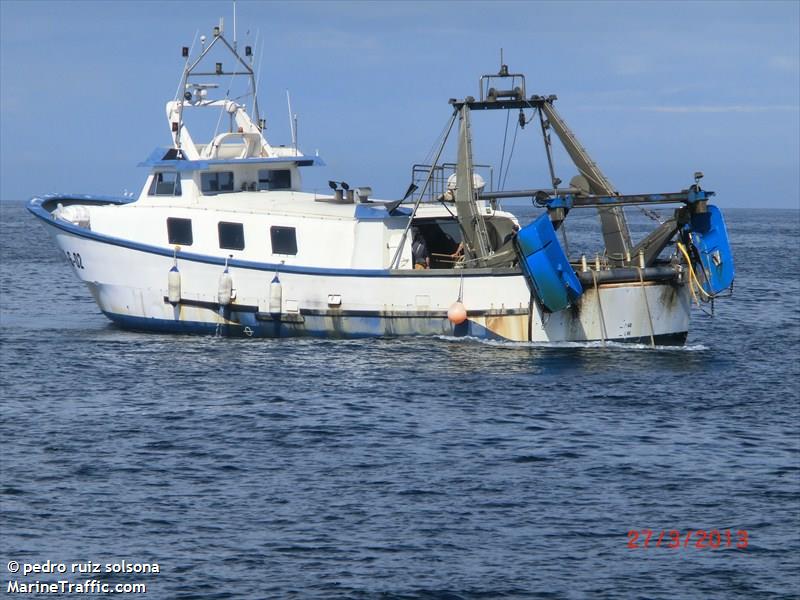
{"x": 174, "y": 126}
{"x": 248, "y": 51}
{"x": 216, "y": 31}
{"x": 333, "y": 185}
{"x": 219, "y": 68}
{"x": 345, "y": 187}
{"x": 262, "y": 123}
{"x": 185, "y": 52}
{"x": 188, "y": 96}
{"x": 698, "y": 176}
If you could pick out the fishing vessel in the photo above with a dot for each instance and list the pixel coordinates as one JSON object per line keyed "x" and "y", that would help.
{"x": 223, "y": 240}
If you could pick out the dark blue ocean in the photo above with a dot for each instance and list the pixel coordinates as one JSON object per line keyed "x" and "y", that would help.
{"x": 427, "y": 468}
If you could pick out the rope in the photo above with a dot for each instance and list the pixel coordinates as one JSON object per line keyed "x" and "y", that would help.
{"x": 603, "y": 332}
{"x": 530, "y": 317}
{"x": 693, "y": 276}
{"x": 647, "y": 306}
{"x": 447, "y": 208}
{"x": 563, "y": 229}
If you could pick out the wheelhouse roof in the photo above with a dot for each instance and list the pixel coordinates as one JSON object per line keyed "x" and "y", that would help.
{"x": 158, "y": 160}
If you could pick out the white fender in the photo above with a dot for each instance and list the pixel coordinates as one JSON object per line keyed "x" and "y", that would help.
{"x": 174, "y": 286}
{"x": 275, "y": 295}
{"x": 225, "y": 292}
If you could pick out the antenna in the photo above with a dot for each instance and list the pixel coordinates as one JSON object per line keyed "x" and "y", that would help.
{"x": 292, "y": 122}
{"x": 258, "y": 79}
{"x": 234, "y": 24}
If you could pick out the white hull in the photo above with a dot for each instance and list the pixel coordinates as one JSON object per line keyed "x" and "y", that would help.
{"x": 130, "y": 285}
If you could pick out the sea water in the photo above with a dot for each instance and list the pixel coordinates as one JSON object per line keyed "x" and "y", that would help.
{"x": 402, "y": 468}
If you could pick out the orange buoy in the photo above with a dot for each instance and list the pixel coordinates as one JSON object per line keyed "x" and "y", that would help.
{"x": 457, "y": 314}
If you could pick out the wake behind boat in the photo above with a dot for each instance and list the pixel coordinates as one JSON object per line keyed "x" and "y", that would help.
{"x": 223, "y": 240}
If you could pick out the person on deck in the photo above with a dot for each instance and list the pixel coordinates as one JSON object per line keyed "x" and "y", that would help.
{"x": 419, "y": 250}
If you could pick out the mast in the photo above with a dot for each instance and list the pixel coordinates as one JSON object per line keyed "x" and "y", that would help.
{"x": 477, "y": 246}
{"x": 195, "y": 93}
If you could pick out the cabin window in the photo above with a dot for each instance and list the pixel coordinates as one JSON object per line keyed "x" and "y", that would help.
{"x": 165, "y": 184}
{"x": 218, "y": 181}
{"x": 284, "y": 240}
{"x": 231, "y": 235}
{"x": 274, "y": 179}
{"x": 263, "y": 180}
{"x": 179, "y": 231}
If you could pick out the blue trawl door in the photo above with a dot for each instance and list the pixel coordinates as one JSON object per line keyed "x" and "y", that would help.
{"x": 710, "y": 239}
{"x": 547, "y": 270}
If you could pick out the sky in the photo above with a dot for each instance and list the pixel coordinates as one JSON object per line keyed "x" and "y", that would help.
{"x": 654, "y": 90}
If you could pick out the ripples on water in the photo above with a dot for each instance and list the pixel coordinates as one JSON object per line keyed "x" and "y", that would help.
{"x": 407, "y": 468}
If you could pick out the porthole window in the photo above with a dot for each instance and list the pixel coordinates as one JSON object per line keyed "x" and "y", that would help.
{"x": 283, "y": 239}
{"x": 179, "y": 231}
{"x": 231, "y": 236}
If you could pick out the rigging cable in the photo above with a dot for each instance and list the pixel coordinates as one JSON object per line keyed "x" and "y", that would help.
{"x": 502, "y": 178}
{"x": 437, "y": 142}
{"x": 503, "y": 153}
{"x": 396, "y": 258}
{"x": 652, "y": 214}
{"x": 253, "y": 114}
{"x": 510, "y": 156}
